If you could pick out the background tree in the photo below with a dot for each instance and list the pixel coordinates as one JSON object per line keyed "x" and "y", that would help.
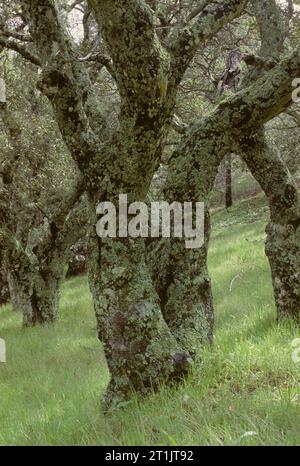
{"x": 37, "y": 225}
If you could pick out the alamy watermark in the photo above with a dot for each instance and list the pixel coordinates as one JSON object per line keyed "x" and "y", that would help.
{"x": 140, "y": 220}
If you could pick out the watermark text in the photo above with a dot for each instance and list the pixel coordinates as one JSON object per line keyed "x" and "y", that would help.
{"x": 139, "y": 220}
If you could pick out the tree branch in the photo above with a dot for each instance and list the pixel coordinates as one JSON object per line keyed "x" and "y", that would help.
{"x": 207, "y": 140}
{"x": 184, "y": 43}
{"x": 178, "y": 125}
{"x": 65, "y": 81}
{"x": 12, "y": 44}
{"x": 102, "y": 60}
{"x": 272, "y": 27}
{"x": 139, "y": 61}
{"x": 15, "y": 35}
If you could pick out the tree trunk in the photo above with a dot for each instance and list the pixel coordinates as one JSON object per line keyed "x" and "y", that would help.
{"x": 4, "y": 292}
{"x": 139, "y": 346}
{"x": 34, "y": 287}
{"x": 140, "y": 350}
{"x": 77, "y": 261}
{"x": 36, "y": 296}
{"x": 181, "y": 274}
{"x": 283, "y": 230}
{"x": 13, "y": 292}
{"x": 228, "y": 181}
{"x": 184, "y": 287}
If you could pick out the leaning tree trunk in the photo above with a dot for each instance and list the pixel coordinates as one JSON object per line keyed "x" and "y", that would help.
{"x": 283, "y": 230}
{"x": 181, "y": 274}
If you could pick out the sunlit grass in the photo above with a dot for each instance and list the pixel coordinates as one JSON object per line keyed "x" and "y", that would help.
{"x": 244, "y": 391}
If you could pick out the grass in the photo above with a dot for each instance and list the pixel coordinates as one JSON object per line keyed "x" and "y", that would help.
{"x": 245, "y": 391}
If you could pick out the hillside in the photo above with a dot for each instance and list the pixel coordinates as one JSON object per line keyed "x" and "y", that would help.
{"x": 245, "y": 391}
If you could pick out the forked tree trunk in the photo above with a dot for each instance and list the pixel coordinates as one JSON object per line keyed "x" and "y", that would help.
{"x": 283, "y": 230}
{"x": 140, "y": 350}
{"x": 34, "y": 289}
{"x": 36, "y": 296}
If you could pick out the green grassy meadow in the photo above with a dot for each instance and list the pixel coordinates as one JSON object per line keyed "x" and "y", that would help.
{"x": 245, "y": 390}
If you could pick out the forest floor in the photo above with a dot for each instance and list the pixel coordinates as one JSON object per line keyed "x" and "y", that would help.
{"x": 245, "y": 392}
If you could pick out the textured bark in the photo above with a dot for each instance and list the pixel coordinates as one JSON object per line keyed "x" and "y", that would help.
{"x": 37, "y": 298}
{"x": 184, "y": 288}
{"x": 272, "y": 27}
{"x": 34, "y": 272}
{"x": 140, "y": 350}
{"x": 126, "y": 304}
{"x": 34, "y": 276}
{"x": 181, "y": 274}
{"x": 283, "y": 230}
{"x": 78, "y": 258}
{"x": 13, "y": 291}
{"x": 194, "y": 166}
{"x": 185, "y": 42}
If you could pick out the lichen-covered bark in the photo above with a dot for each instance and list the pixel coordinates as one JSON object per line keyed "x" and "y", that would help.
{"x": 36, "y": 267}
{"x": 194, "y": 166}
{"x": 283, "y": 230}
{"x": 181, "y": 274}
{"x": 272, "y": 27}
{"x": 4, "y": 288}
{"x": 126, "y": 304}
{"x": 140, "y": 349}
{"x": 78, "y": 258}
{"x": 36, "y": 296}
{"x": 33, "y": 285}
{"x": 184, "y": 288}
